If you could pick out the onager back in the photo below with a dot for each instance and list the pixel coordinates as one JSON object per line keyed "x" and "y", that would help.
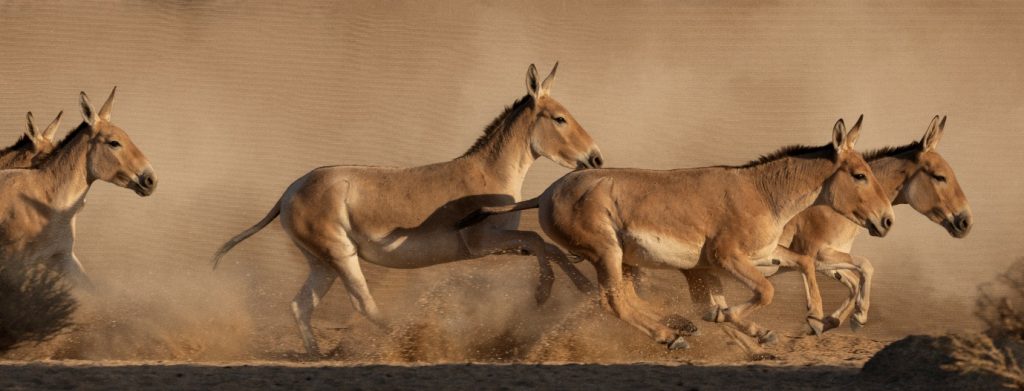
{"x": 33, "y": 146}
{"x": 405, "y": 217}
{"x": 38, "y": 206}
{"x": 723, "y": 217}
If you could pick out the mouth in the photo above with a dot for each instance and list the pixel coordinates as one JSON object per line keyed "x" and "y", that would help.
{"x": 873, "y": 229}
{"x": 139, "y": 189}
{"x": 953, "y": 230}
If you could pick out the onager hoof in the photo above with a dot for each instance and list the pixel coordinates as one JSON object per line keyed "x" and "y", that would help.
{"x": 831, "y": 322}
{"x": 817, "y": 325}
{"x": 679, "y": 343}
{"x": 715, "y": 314}
{"x": 767, "y": 338}
{"x": 680, "y": 324}
{"x": 856, "y": 324}
{"x": 860, "y": 317}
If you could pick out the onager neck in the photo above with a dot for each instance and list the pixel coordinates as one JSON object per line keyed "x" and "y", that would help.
{"x": 791, "y": 184}
{"x": 503, "y": 154}
{"x": 65, "y": 174}
{"x": 893, "y": 172}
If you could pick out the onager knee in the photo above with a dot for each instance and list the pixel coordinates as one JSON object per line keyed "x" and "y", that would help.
{"x": 764, "y": 294}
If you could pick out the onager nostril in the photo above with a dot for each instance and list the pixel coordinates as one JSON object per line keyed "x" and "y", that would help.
{"x": 886, "y": 222}
{"x": 147, "y": 181}
{"x": 596, "y": 161}
{"x": 963, "y": 222}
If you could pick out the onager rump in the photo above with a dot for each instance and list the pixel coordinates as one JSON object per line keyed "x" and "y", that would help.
{"x": 724, "y": 217}
{"x": 404, "y": 217}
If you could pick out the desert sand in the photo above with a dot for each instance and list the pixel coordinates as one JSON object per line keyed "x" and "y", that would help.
{"x": 232, "y": 101}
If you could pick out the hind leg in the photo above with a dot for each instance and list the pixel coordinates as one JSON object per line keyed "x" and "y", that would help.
{"x": 615, "y": 298}
{"x": 319, "y": 281}
{"x": 707, "y": 293}
{"x": 682, "y": 325}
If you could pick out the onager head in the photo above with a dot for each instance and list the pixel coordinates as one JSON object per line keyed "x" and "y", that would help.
{"x": 112, "y": 156}
{"x": 34, "y": 146}
{"x": 555, "y": 134}
{"x": 852, "y": 190}
{"x": 933, "y": 189}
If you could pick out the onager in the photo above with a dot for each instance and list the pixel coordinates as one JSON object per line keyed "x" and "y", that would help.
{"x": 38, "y": 206}
{"x": 914, "y": 174}
{"x": 32, "y": 147}
{"x": 723, "y": 217}
{"x": 404, "y": 217}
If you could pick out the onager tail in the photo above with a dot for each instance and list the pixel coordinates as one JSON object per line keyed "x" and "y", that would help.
{"x": 276, "y": 210}
{"x": 482, "y": 213}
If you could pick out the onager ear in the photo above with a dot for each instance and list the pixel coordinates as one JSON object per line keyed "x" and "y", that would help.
{"x": 933, "y": 134}
{"x": 854, "y": 133}
{"x": 545, "y": 87}
{"x": 839, "y": 136}
{"x": 32, "y": 132}
{"x": 88, "y": 113}
{"x": 532, "y": 84}
{"x": 109, "y": 104}
{"x": 51, "y": 129}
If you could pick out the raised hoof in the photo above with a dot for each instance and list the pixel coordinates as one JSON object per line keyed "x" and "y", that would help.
{"x": 767, "y": 338}
{"x": 715, "y": 315}
{"x": 682, "y": 325}
{"x": 762, "y": 356}
{"x": 817, "y": 325}
{"x": 678, "y": 344}
{"x": 831, "y": 322}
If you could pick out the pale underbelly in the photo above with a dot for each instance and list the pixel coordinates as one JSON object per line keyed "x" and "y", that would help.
{"x": 660, "y": 251}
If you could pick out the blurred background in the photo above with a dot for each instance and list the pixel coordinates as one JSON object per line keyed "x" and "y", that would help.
{"x": 233, "y": 100}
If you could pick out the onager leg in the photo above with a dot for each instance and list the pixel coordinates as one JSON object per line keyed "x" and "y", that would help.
{"x": 815, "y": 313}
{"x": 764, "y": 292}
{"x": 488, "y": 242}
{"x": 321, "y": 277}
{"x": 841, "y": 262}
{"x": 707, "y": 293}
{"x": 613, "y": 296}
{"x": 682, "y": 325}
{"x": 74, "y": 268}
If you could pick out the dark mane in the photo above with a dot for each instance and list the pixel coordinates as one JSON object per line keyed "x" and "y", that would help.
{"x": 501, "y": 122}
{"x": 24, "y": 143}
{"x": 82, "y": 128}
{"x": 892, "y": 151}
{"x": 789, "y": 151}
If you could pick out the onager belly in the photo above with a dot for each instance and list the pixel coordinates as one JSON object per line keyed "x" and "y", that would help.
{"x": 659, "y": 251}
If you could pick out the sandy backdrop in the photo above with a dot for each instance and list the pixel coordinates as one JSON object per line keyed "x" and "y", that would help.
{"x": 231, "y": 101}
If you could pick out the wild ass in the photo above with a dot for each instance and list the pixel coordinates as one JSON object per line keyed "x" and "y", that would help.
{"x": 404, "y": 217}
{"x": 914, "y": 174}
{"x": 38, "y": 206}
{"x": 726, "y": 217}
{"x": 32, "y": 147}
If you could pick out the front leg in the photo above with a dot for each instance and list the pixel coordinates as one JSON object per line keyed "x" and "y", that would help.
{"x": 72, "y": 267}
{"x": 841, "y": 262}
{"x": 815, "y": 312}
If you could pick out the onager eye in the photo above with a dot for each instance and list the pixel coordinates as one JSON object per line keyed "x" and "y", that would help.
{"x": 114, "y": 144}
{"x": 860, "y": 177}
{"x": 939, "y": 178}
{"x": 560, "y": 120}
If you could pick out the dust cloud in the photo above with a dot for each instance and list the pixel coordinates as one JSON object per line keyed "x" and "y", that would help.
{"x": 232, "y": 101}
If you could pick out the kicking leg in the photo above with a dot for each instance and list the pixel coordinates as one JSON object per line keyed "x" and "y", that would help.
{"x": 321, "y": 277}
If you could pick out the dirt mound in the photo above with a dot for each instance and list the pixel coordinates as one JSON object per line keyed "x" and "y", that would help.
{"x": 924, "y": 361}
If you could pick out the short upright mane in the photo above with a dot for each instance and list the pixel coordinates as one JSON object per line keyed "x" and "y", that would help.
{"x": 789, "y": 151}
{"x": 892, "y": 151}
{"x": 24, "y": 143}
{"x": 499, "y": 124}
{"x": 82, "y": 128}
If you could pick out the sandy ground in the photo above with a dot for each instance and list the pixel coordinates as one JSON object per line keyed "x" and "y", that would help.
{"x": 231, "y": 102}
